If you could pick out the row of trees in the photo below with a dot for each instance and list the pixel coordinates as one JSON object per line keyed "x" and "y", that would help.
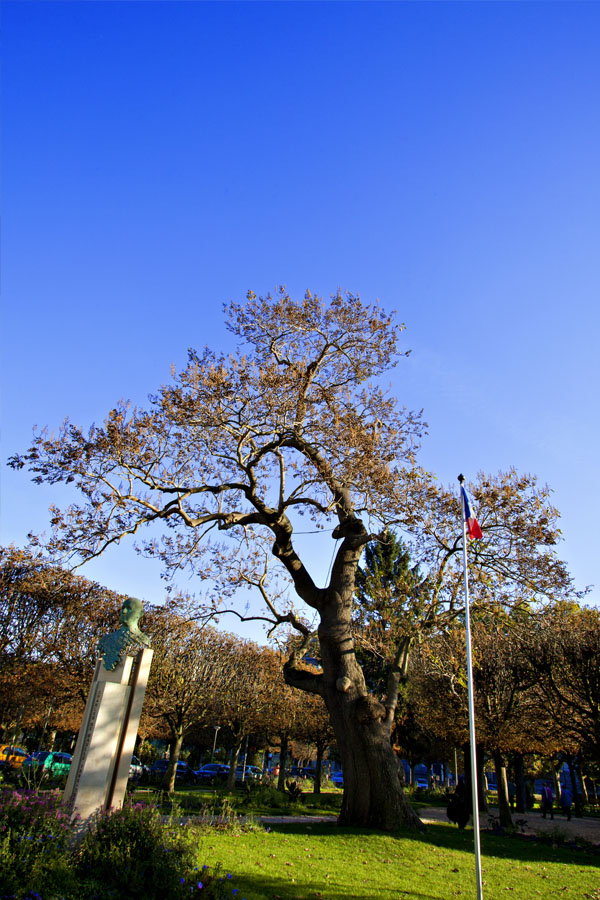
{"x": 200, "y": 677}
{"x": 536, "y": 675}
{"x": 292, "y": 432}
{"x": 537, "y": 689}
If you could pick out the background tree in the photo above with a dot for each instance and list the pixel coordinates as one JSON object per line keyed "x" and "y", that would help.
{"x": 191, "y": 668}
{"x": 243, "y": 705}
{"x": 566, "y": 651}
{"x": 392, "y": 600}
{"x": 514, "y": 564}
{"x": 509, "y": 717}
{"x": 50, "y": 624}
{"x": 411, "y": 587}
{"x": 313, "y": 727}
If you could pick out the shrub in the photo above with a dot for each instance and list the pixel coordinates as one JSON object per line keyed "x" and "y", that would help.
{"x": 267, "y": 796}
{"x": 129, "y": 853}
{"x": 34, "y": 836}
{"x": 294, "y": 789}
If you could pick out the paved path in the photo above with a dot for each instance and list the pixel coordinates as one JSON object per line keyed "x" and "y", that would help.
{"x": 296, "y": 820}
{"x": 587, "y": 828}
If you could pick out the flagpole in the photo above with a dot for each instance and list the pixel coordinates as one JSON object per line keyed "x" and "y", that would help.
{"x": 474, "y": 792}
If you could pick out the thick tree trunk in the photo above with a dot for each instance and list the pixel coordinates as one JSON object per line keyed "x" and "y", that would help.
{"x": 373, "y": 795}
{"x": 502, "y": 786}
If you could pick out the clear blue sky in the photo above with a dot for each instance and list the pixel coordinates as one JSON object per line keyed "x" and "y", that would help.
{"x": 161, "y": 158}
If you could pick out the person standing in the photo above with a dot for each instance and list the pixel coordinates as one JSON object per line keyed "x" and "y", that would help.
{"x": 566, "y": 801}
{"x": 547, "y": 797}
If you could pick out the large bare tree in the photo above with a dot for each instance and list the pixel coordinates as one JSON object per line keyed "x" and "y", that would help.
{"x": 247, "y": 447}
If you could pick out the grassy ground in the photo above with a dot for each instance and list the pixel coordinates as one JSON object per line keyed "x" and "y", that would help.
{"x": 260, "y": 801}
{"x": 321, "y": 862}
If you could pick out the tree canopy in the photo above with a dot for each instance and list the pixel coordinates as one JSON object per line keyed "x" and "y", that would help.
{"x": 240, "y": 453}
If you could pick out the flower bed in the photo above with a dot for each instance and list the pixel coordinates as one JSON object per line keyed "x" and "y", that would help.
{"x": 127, "y": 853}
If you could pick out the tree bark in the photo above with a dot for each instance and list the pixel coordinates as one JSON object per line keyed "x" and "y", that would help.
{"x": 579, "y": 773}
{"x": 520, "y": 795}
{"x": 283, "y": 756}
{"x": 481, "y": 788}
{"x": 175, "y": 743}
{"x": 235, "y": 753}
{"x": 576, "y": 794}
{"x": 318, "y": 768}
{"x": 502, "y": 786}
{"x": 373, "y": 795}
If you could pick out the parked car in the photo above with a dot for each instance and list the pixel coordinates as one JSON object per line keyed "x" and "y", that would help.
{"x": 337, "y": 778}
{"x": 12, "y": 756}
{"x": 421, "y": 783}
{"x": 137, "y": 769}
{"x": 302, "y": 772}
{"x": 213, "y": 773}
{"x": 53, "y": 762}
{"x": 183, "y": 775}
{"x": 251, "y": 774}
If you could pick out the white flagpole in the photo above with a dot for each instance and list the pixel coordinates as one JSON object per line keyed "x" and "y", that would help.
{"x": 471, "y": 706}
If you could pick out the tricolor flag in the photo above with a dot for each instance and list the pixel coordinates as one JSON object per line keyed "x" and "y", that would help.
{"x": 473, "y": 529}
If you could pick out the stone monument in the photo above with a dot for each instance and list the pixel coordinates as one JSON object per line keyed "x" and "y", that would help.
{"x": 100, "y": 766}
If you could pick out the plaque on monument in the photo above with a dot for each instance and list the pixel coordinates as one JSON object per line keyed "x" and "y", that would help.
{"x": 100, "y": 766}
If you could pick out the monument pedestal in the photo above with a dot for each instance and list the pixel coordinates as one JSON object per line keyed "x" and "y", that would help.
{"x": 100, "y": 766}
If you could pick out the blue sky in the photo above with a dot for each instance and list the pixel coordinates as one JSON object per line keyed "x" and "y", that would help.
{"x": 159, "y": 159}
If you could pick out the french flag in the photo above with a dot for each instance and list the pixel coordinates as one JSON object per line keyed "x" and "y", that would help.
{"x": 473, "y": 529}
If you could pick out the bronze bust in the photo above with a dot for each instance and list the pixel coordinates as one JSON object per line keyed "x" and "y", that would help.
{"x": 127, "y": 639}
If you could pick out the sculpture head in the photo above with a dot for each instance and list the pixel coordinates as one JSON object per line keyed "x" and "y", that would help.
{"x": 131, "y": 612}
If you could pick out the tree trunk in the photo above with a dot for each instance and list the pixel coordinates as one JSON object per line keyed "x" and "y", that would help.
{"x": 557, "y": 784}
{"x": 373, "y": 795}
{"x": 579, "y": 773}
{"x": 520, "y": 795}
{"x": 283, "y": 757}
{"x": 235, "y": 753}
{"x": 502, "y": 786}
{"x": 175, "y": 743}
{"x": 318, "y": 768}
{"x": 576, "y": 794}
{"x": 481, "y": 792}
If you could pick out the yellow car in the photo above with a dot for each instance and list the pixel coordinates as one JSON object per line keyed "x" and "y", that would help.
{"x": 12, "y": 756}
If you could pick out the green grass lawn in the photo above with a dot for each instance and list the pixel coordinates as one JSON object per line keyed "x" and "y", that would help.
{"x": 323, "y": 862}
